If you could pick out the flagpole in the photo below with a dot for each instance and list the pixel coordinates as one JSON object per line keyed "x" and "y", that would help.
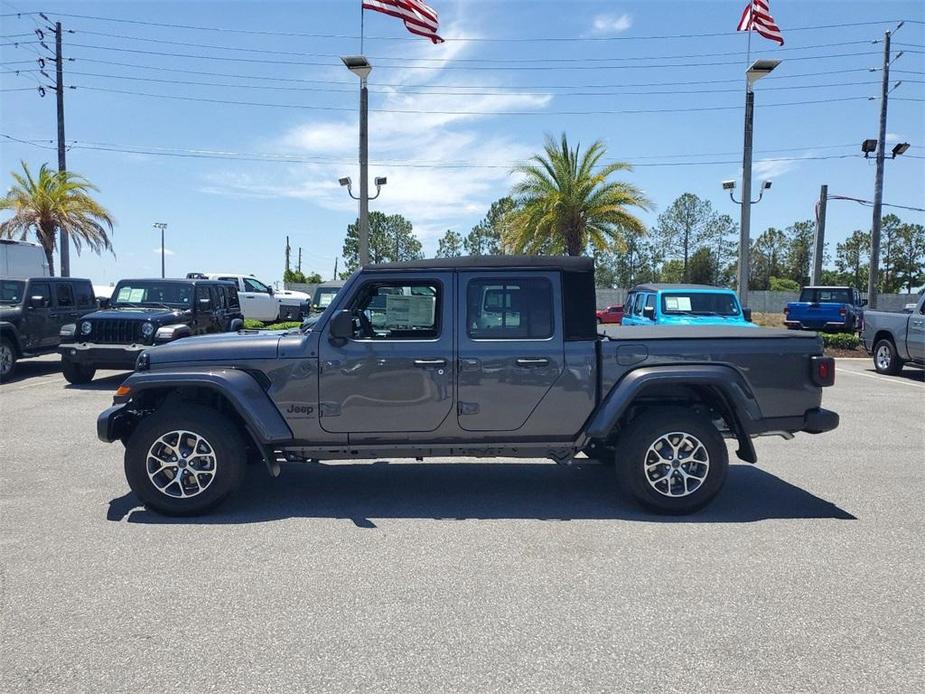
{"x": 748, "y": 50}
{"x": 362, "y": 17}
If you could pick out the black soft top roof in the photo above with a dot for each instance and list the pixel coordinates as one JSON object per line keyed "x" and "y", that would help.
{"x": 174, "y": 280}
{"x": 494, "y": 262}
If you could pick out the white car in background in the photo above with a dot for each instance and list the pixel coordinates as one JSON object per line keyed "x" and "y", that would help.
{"x": 293, "y": 305}
{"x": 257, "y": 299}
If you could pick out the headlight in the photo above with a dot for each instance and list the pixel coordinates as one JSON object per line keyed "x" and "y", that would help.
{"x": 147, "y": 330}
{"x": 67, "y": 330}
{"x": 143, "y": 363}
{"x": 85, "y": 328}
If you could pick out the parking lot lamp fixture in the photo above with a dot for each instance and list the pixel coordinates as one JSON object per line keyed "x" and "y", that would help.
{"x": 162, "y": 226}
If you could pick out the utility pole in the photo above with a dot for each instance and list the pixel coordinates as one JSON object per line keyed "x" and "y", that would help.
{"x": 819, "y": 241}
{"x": 63, "y": 241}
{"x": 162, "y": 226}
{"x": 300, "y": 259}
{"x": 335, "y": 268}
{"x": 287, "y": 254}
{"x": 745, "y": 221}
{"x": 873, "y": 280}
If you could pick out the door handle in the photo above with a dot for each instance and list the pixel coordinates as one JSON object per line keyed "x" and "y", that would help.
{"x": 429, "y": 362}
{"x": 523, "y": 361}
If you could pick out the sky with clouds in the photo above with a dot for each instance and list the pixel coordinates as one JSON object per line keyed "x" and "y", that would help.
{"x": 236, "y": 139}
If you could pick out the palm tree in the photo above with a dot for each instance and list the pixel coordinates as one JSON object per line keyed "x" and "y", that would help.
{"x": 565, "y": 202}
{"x": 51, "y": 202}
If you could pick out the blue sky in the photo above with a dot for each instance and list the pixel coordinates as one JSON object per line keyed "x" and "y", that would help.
{"x": 446, "y": 121}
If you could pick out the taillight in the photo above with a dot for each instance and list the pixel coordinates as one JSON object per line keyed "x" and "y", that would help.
{"x": 787, "y": 311}
{"x": 823, "y": 371}
{"x": 842, "y": 311}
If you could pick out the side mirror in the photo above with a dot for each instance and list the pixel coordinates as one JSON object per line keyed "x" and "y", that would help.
{"x": 648, "y": 312}
{"x": 38, "y": 302}
{"x": 270, "y": 289}
{"x": 863, "y": 302}
{"x": 102, "y": 302}
{"x": 341, "y": 328}
{"x": 747, "y": 314}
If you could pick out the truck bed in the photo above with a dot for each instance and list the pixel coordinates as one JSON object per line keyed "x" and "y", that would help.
{"x": 707, "y": 332}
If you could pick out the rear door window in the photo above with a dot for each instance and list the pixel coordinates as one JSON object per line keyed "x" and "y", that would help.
{"x": 64, "y": 294}
{"x": 40, "y": 289}
{"x": 519, "y": 309}
{"x": 83, "y": 294}
{"x": 218, "y": 297}
{"x": 233, "y": 302}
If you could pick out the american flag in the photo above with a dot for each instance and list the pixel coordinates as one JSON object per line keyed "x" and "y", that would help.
{"x": 757, "y": 16}
{"x": 419, "y": 18}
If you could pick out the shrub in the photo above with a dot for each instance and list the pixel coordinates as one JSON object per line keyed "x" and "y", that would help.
{"x": 251, "y": 324}
{"x": 848, "y": 341}
{"x": 783, "y": 284}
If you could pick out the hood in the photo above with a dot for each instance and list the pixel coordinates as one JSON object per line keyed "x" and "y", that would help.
{"x": 224, "y": 347}
{"x": 153, "y": 314}
{"x": 710, "y": 320}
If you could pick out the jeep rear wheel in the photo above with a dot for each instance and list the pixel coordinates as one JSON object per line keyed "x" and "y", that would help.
{"x": 674, "y": 461}
{"x": 185, "y": 462}
{"x": 7, "y": 359}
{"x": 75, "y": 373}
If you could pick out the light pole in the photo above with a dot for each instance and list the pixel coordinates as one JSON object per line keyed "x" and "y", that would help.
{"x": 162, "y": 226}
{"x": 359, "y": 66}
{"x": 363, "y": 242}
{"x": 755, "y": 72}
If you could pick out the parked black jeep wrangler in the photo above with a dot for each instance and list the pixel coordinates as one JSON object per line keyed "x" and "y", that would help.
{"x": 143, "y": 313}
{"x": 32, "y": 312}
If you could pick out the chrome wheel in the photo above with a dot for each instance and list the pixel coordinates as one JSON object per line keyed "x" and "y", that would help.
{"x": 884, "y": 357}
{"x": 7, "y": 359}
{"x": 677, "y": 464}
{"x": 181, "y": 464}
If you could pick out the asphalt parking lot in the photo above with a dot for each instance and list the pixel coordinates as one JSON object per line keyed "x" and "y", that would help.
{"x": 398, "y": 576}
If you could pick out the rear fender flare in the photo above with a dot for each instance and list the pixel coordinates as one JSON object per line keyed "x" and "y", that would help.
{"x": 239, "y": 388}
{"x": 726, "y": 380}
{"x": 9, "y": 331}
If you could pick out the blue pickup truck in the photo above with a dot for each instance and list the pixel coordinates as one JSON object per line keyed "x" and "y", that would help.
{"x": 833, "y": 309}
{"x": 684, "y": 304}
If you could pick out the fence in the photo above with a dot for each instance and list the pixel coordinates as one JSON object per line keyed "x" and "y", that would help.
{"x": 760, "y": 301}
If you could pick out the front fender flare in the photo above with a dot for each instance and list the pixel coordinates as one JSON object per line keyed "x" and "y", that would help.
{"x": 242, "y": 391}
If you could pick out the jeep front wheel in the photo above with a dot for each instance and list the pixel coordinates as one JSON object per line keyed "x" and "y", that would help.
{"x": 75, "y": 373}
{"x": 675, "y": 461}
{"x": 7, "y": 359}
{"x": 185, "y": 462}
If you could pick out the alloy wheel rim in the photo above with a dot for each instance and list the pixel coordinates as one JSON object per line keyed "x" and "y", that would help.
{"x": 676, "y": 464}
{"x": 883, "y": 357}
{"x": 181, "y": 464}
{"x": 6, "y": 359}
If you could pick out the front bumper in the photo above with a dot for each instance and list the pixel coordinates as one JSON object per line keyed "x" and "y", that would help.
{"x": 102, "y": 356}
{"x": 113, "y": 424}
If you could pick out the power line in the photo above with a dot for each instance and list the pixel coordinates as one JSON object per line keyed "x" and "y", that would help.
{"x": 505, "y": 68}
{"x": 290, "y": 159}
{"x": 869, "y": 203}
{"x": 736, "y": 80}
{"x": 258, "y": 32}
{"x": 463, "y": 113}
{"x": 505, "y": 61}
{"x": 412, "y": 90}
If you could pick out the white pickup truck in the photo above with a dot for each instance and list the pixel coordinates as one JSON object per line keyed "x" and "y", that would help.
{"x": 896, "y": 339}
{"x": 257, "y": 299}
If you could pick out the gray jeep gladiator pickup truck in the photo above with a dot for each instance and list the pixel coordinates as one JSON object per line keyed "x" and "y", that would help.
{"x": 483, "y": 356}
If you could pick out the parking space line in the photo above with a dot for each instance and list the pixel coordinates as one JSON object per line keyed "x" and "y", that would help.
{"x": 880, "y": 378}
{"x": 36, "y": 382}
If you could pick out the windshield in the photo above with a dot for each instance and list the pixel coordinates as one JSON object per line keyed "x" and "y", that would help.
{"x": 11, "y": 291}
{"x": 826, "y": 296}
{"x": 152, "y": 294}
{"x": 324, "y": 296}
{"x": 700, "y": 304}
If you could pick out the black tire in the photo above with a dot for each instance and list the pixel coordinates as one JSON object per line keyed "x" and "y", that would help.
{"x": 228, "y": 460}
{"x": 75, "y": 373}
{"x": 633, "y": 454}
{"x": 7, "y": 358}
{"x": 886, "y": 360}
{"x": 600, "y": 322}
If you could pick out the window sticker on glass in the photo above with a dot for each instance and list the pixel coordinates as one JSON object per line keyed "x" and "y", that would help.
{"x": 678, "y": 303}
{"x": 409, "y": 311}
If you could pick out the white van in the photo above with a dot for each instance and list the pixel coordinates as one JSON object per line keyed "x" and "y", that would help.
{"x": 22, "y": 259}
{"x": 257, "y": 300}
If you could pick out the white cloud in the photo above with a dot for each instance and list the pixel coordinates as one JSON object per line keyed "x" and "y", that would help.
{"x": 409, "y": 133}
{"x": 609, "y": 24}
{"x": 892, "y": 137}
{"x": 167, "y": 251}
